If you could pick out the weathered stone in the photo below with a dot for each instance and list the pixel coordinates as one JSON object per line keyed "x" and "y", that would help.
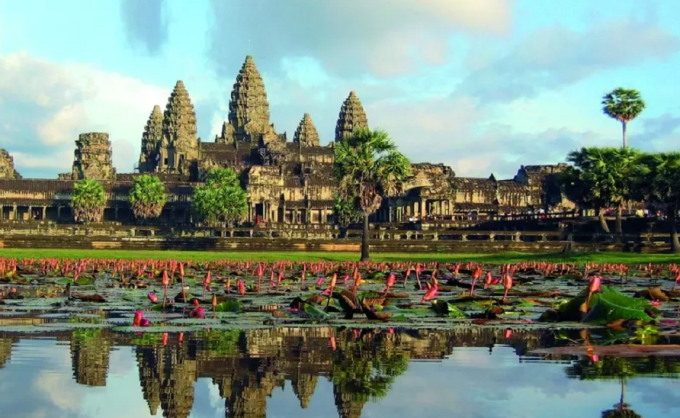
{"x": 7, "y": 170}
{"x": 228, "y": 134}
{"x": 180, "y": 145}
{"x": 151, "y": 140}
{"x": 248, "y": 107}
{"x": 306, "y": 134}
{"x": 352, "y": 116}
{"x": 92, "y": 157}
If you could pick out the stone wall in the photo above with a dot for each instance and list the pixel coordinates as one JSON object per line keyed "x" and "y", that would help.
{"x": 316, "y": 240}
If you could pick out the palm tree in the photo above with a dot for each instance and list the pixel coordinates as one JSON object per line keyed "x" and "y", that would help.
{"x": 606, "y": 176}
{"x": 658, "y": 180}
{"x": 147, "y": 197}
{"x": 368, "y": 166}
{"x": 623, "y": 105}
{"x": 88, "y": 201}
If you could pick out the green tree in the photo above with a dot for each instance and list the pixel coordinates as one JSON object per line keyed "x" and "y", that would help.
{"x": 88, "y": 201}
{"x": 623, "y": 105}
{"x": 605, "y": 177}
{"x": 147, "y": 197}
{"x": 658, "y": 181}
{"x": 222, "y": 199}
{"x": 368, "y": 167}
{"x": 345, "y": 212}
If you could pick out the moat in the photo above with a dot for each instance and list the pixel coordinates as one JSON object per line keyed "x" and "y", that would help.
{"x": 318, "y": 372}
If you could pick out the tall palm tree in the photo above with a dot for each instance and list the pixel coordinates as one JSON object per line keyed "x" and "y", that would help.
{"x": 88, "y": 201}
{"x": 147, "y": 197}
{"x": 658, "y": 180}
{"x": 623, "y": 105}
{"x": 607, "y": 178}
{"x": 368, "y": 166}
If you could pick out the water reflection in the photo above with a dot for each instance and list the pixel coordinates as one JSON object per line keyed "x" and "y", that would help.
{"x": 363, "y": 373}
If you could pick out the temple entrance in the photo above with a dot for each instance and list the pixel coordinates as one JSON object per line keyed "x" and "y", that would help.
{"x": 259, "y": 211}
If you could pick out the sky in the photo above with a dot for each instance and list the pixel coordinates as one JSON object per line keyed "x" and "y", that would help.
{"x": 483, "y": 86}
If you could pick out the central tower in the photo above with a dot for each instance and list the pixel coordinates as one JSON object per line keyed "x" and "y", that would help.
{"x": 248, "y": 107}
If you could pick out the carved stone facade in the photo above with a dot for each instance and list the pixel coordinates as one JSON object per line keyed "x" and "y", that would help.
{"x": 7, "y": 170}
{"x": 248, "y": 107}
{"x": 92, "y": 157}
{"x": 151, "y": 141}
{"x": 306, "y": 134}
{"x": 287, "y": 182}
{"x": 352, "y": 116}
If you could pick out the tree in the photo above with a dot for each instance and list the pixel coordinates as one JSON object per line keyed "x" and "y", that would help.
{"x": 658, "y": 180}
{"x": 604, "y": 177}
{"x": 147, "y": 197}
{"x": 345, "y": 211}
{"x": 623, "y": 105}
{"x": 368, "y": 167}
{"x": 222, "y": 199}
{"x": 88, "y": 201}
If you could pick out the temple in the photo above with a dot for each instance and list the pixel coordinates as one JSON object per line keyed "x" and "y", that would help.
{"x": 287, "y": 181}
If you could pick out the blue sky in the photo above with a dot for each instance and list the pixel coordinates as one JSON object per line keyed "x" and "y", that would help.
{"x": 481, "y": 86}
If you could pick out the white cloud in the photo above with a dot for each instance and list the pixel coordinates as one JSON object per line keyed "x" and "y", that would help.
{"x": 384, "y": 37}
{"x": 555, "y": 56}
{"x": 46, "y": 106}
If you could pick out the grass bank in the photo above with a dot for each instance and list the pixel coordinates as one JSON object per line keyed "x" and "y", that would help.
{"x": 501, "y": 258}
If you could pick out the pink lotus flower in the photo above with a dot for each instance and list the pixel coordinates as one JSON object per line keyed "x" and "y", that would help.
{"x": 655, "y": 303}
{"x": 152, "y": 297}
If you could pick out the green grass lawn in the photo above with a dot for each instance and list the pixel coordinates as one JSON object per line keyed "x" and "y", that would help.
{"x": 509, "y": 257}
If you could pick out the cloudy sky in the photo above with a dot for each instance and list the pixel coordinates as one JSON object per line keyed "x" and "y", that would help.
{"x": 483, "y": 86}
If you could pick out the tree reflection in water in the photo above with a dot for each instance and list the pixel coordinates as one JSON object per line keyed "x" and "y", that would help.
{"x": 624, "y": 369}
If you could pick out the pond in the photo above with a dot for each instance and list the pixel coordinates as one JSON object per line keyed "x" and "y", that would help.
{"x": 323, "y": 371}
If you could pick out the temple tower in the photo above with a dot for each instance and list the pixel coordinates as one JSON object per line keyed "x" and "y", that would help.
{"x": 352, "y": 116}
{"x": 179, "y": 129}
{"x": 7, "y": 170}
{"x": 92, "y": 157}
{"x": 303, "y": 386}
{"x": 306, "y": 134}
{"x": 248, "y": 107}
{"x": 151, "y": 140}
{"x": 227, "y": 136}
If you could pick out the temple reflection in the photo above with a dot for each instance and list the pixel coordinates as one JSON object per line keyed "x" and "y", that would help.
{"x": 361, "y": 364}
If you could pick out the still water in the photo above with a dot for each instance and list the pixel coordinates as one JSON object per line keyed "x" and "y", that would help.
{"x": 321, "y": 372}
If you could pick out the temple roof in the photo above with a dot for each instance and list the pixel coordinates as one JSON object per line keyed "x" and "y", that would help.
{"x": 351, "y": 117}
{"x": 306, "y": 133}
{"x": 248, "y": 106}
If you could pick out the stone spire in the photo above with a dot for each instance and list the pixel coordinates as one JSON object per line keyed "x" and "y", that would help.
{"x": 306, "y": 134}
{"x": 227, "y": 135}
{"x": 352, "y": 116}
{"x": 248, "y": 107}
{"x": 303, "y": 387}
{"x": 92, "y": 157}
{"x": 7, "y": 170}
{"x": 179, "y": 119}
{"x": 151, "y": 139}
{"x": 90, "y": 359}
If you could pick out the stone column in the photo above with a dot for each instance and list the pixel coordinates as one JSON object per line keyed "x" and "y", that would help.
{"x": 30, "y": 212}
{"x": 324, "y": 219}
{"x": 44, "y": 213}
{"x": 15, "y": 215}
{"x": 423, "y": 209}
{"x": 58, "y": 212}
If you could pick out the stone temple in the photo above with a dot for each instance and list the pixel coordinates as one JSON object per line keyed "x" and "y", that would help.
{"x": 287, "y": 181}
